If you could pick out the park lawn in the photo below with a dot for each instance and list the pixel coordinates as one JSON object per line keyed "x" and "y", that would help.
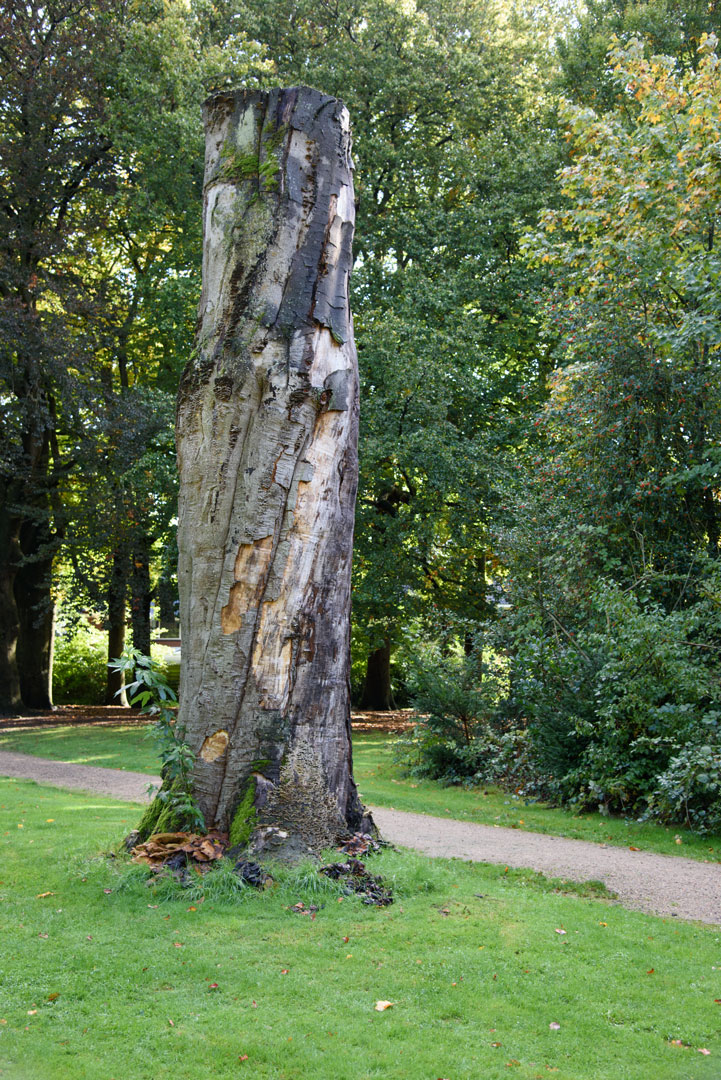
{"x": 382, "y": 783}
{"x": 104, "y": 979}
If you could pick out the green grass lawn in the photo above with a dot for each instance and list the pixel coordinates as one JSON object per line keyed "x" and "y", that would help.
{"x": 382, "y": 784}
{"x": 104, "y": 980}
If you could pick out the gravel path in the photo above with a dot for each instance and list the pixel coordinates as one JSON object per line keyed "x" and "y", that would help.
{"x": 660, "y": 884}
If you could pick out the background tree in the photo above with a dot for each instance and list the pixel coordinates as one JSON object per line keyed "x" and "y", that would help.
{"x": 615, "y": 581}
{"x": 55, "y": 155}
{"x": 454, "y": 145}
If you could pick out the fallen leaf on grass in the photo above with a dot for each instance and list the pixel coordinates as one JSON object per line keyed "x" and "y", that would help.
{"x": 107, "y": 891}
{"x": 496, "y": 1044}
{"x": 703, "y": 1050}
{"x": 53, "y": 997}
{"x": 31, "y": 1012}
{"x": 561, "y": 931}
{"x": 171, "y": 1022}
{"x": 650, "y": 971}
{"x": 554, "y": 1026}
{"x": 285, "y": 971}
{"x": 178, "y": 944}
{"x": 381, "y": 1006}
{"x": 632, "y": 848}
{"x": 242, "y": 1057}
{"x": 42, "y": 895}
{"x": 213, "y": 986}
{"x": 44, "y": 936}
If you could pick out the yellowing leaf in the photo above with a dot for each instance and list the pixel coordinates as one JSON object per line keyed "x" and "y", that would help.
{"x": 381, "y": 1006}
{"x": 42, "y": 895}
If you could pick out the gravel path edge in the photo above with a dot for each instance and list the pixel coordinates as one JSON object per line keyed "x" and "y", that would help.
{"x": 666, "y": 885}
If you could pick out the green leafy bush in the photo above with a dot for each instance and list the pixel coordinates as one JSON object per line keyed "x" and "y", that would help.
{"x": 619, "y": 707}
{"x": 79, "y": 668}
{"x": 690, "y": 788}
{"x": 457, "y": 695}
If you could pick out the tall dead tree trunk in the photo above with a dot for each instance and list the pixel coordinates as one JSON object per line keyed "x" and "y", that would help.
{"x": 267, "y": 451}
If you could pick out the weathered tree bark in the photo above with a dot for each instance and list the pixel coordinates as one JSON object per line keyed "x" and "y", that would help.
{"x": 377, "y": 689}
{"x": 267, "y": 451}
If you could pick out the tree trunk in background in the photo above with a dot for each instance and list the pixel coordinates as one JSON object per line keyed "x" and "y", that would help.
{"x": 267, "y": 451}
{"x": 36, "y": 610}
{"x": 117, "y": 597}
{"x": 140, "y": 595}
{"x": 166, "y": 595}
{"x": 10, "y": 701}
{"x": 377, "y": 690}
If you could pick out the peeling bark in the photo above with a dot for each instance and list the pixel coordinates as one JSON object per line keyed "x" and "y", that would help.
{"x": 267, "y": 452}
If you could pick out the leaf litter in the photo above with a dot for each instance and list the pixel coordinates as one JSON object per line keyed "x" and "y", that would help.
{"x": 178, "y": 852}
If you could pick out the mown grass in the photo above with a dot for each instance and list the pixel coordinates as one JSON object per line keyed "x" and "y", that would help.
{"x": 382, "y": 783}
{"x": 119, "y": 984}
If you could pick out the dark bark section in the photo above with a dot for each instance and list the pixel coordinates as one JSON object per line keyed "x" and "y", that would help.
{"x": 10, "y": 700}
{"x": 117, "y": 615}
{"x": 141, "y": 595}
{"x": 36, "y": 614}
{"x": 377, "y": 689}
{"x": 267, "y": 450}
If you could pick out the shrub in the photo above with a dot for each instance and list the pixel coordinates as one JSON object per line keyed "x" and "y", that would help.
{"x": 79, "y": 668}
{"x": 457, "y": 695}
{"x": 618, "y": 707}
{"x": 690, "y": 788}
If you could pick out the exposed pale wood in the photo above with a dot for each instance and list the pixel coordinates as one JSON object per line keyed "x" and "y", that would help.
{"x": 267, "y": 451}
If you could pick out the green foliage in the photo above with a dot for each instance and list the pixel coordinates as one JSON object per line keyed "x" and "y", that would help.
{"x": 617, "y": 698}
{"x": 150, "y": 690}
{"x": 456, "y": 694}
{"x": 690, "y": 788}
{"x": 79, "y": 665}
{"x": 614, "y": 623}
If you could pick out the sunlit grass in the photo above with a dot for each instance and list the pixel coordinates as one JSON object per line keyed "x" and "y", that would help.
{"x": 381, "y": 783}
{"x": 129, "y": 984}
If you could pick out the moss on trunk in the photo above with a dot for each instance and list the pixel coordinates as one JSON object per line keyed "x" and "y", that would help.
{"x": 245, "y": 817}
